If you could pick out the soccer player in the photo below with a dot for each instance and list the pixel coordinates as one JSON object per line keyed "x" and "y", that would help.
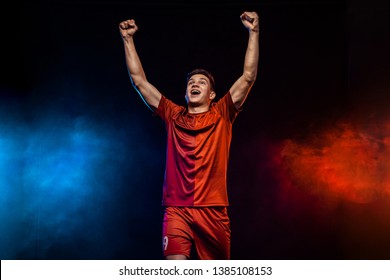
{"x": 198, "y": 142}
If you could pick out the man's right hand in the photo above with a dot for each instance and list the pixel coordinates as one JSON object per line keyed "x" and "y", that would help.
{"x": 127, "y": 28}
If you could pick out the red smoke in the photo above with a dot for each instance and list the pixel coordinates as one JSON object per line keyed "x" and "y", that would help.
{"x": 346, "y": 161}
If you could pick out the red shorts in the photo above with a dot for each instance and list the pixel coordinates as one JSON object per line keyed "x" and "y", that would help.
{"x": 206, "y": 228}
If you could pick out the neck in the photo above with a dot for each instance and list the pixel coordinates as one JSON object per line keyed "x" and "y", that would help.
{"x": 198, "y": 109}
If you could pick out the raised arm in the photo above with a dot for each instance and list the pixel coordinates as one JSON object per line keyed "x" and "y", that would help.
{"x": 150, "y": 95}
{"x": 240, "y": 89}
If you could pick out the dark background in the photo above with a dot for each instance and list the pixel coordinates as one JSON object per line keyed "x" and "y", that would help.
{"x": 82, "y": 158}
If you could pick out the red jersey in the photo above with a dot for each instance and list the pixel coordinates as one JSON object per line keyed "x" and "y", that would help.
{"x": 197, "y": 153}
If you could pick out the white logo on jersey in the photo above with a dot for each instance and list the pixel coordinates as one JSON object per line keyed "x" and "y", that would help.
{"x": 165, "y": 242}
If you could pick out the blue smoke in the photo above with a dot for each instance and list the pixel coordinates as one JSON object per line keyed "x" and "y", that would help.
{"x": 70, "y": 182}
{"x": 11, "y": 162}
{"x": 64, "y": 171}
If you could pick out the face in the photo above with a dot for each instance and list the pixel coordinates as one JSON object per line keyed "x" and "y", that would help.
{"x": 199, "y": 90}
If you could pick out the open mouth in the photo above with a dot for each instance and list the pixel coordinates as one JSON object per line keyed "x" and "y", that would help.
{"x": 195, "y": 92}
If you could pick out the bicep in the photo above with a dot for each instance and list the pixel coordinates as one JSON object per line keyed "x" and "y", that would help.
{"x": 239, "y": 91}
{"x": 150, "y": 95}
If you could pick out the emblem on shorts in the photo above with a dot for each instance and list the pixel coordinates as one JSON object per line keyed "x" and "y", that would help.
{"x": 165, "y": 242}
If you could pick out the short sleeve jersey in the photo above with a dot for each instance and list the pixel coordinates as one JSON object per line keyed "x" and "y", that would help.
{"x": 197, "y": 153}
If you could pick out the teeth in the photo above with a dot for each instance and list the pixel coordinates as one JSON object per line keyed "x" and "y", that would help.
{"x": 195, "y": 91}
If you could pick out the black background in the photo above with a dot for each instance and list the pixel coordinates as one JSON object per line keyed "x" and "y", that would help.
{"x": 63, "y": 68}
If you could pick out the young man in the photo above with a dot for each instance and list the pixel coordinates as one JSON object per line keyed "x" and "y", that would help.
{"x": 198, "y": 143}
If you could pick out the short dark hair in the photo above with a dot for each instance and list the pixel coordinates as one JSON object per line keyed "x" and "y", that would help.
{"x": 203, "y": 72}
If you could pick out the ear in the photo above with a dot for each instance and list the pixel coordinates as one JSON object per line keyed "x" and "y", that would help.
{"x": 212, "y": 95}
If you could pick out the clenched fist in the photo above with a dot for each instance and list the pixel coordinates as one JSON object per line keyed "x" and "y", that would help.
{"x": 250, "y": 21}
{"x": 127, "y": 28}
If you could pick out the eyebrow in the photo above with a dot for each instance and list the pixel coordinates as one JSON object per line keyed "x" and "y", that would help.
{"x": 191, "y": 79}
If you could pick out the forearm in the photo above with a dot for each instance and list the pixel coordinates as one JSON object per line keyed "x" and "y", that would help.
{"x": 251, "y": 57}
{"x": 134, "y": 65}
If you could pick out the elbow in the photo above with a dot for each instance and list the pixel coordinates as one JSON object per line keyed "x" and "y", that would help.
{"x": 250, "y": 76}
{"x": 136, "y": 82}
